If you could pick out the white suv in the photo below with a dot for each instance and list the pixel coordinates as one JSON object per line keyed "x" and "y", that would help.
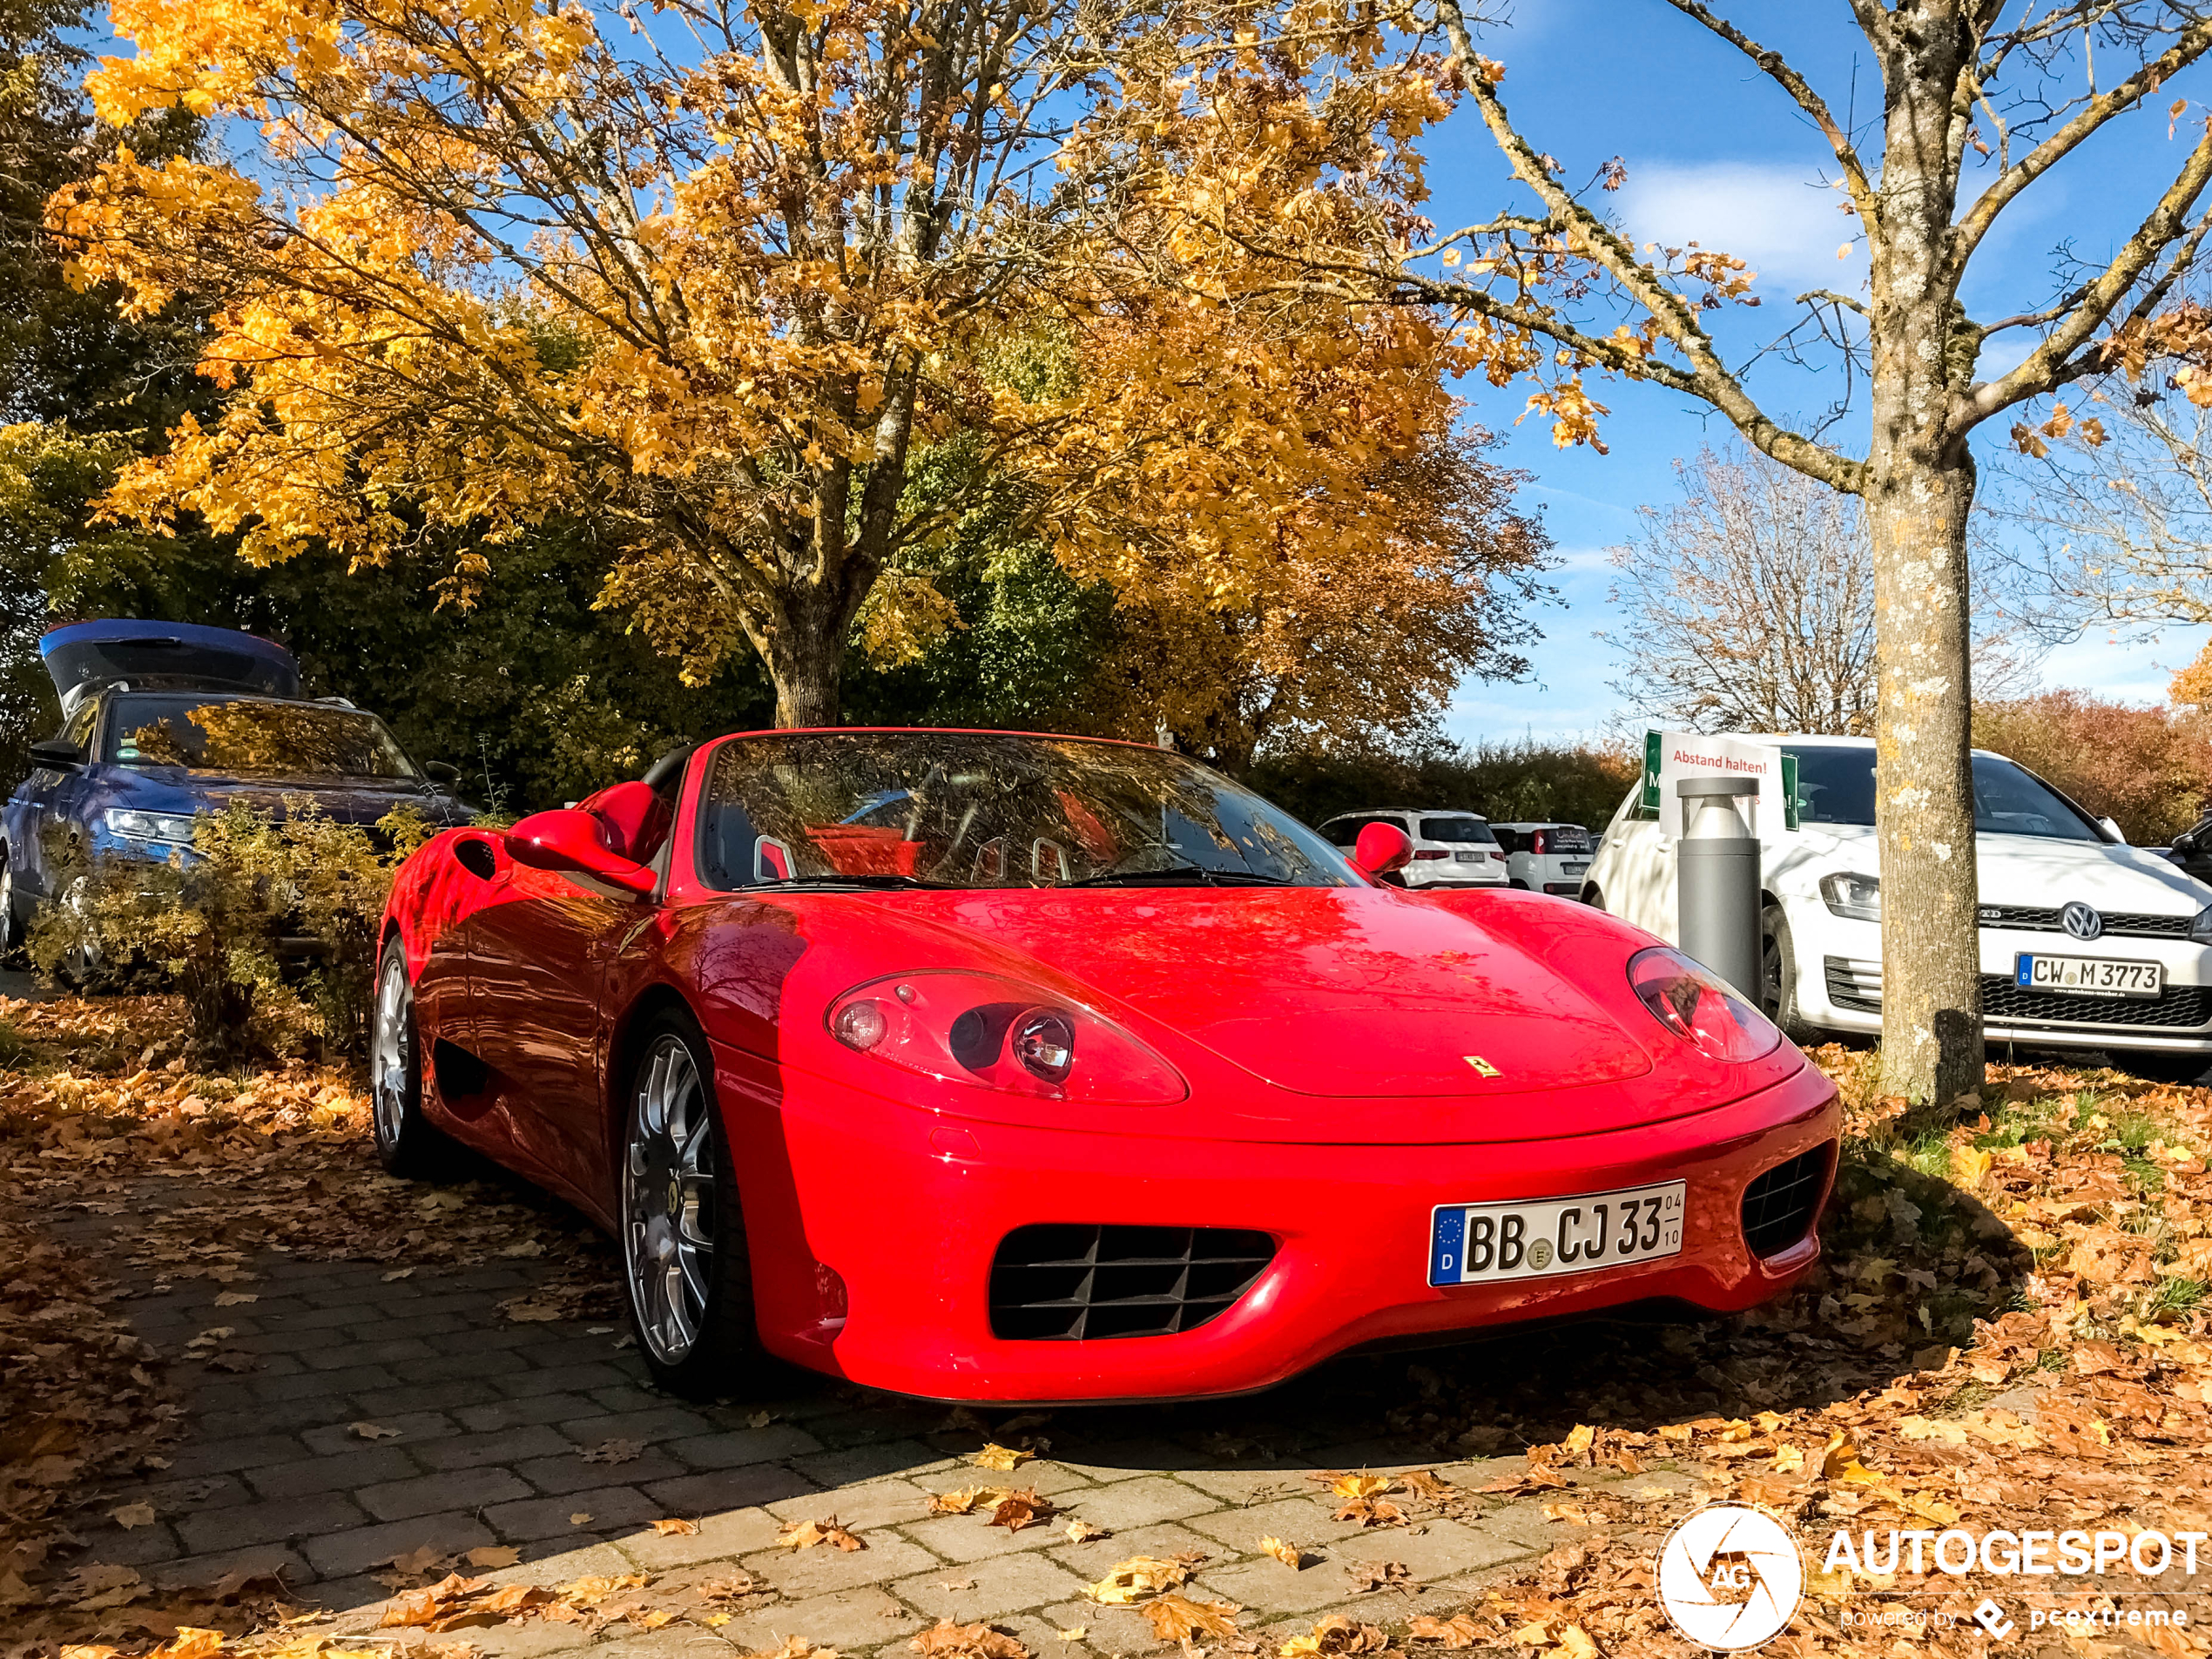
{"x": 1546, "y": 858}
{"x": 2086, "y": 942}
{"x": 1450, "y": 849}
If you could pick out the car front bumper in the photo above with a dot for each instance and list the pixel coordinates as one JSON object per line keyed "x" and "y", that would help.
{"x": 873, "y": 1227}
{"x": 1839, "y": 987}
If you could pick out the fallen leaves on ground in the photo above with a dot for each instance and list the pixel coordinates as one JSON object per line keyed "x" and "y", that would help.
{"x": 675, "y": 1527}
{"x": 2008, "y": 1331}
{"x": 1364, "y": 1502}
{"x": 795, "y": 1648}
{"x": 1079, "y": 1531}
{"x": 1368, "y": 1576}
{"x": 614, "y": 1452}
{"x": 194, "y": 1178}
{"x": 1006, "y": 1506}
{"x": 1177, "y": 1618}
{"x": 1001, "y": 1458}
{"x": 1141, "y": 1575}
{"x": 1458, "y": 1632}
{"x": 945, "y": 1640}
{"x": 1290, "y": 1554}
{"x": 1335, "y": 1635}
{"x": 1014, "y": 1510}
{"x": 804, "y": 1535}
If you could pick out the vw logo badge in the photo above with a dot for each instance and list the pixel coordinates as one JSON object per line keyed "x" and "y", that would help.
{"x": 2081, "y": 920}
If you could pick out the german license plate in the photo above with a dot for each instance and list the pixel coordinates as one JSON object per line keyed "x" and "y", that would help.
{"x": 1486, "y": 1243}
{"x": 1469, "y": 857}
{"x": 1576, "y": 868}
{"x": 2088, "y": 976}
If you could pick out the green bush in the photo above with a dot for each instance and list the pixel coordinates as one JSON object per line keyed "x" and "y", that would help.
{"x": 1508, "y": 783}
{"x": 267, "y": 929}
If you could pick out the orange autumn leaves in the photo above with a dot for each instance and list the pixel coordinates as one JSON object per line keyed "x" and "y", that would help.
{"x": 798, "y": 261}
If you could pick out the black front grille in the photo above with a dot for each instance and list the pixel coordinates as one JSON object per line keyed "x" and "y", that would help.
{"x": 2123, "y": 925}
{"x": 2178, "y": 1007}
{"x": 1063, "y": 1282}
{"x": 1779, "y": 1207}
{"x": 1845, "y": 991}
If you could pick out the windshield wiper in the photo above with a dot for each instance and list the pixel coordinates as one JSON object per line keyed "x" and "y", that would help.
{"x": 864, "y": 881}
{"x": 1176, "y": 873}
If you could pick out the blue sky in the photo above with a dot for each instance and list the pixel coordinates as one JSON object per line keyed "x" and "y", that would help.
{"x": 1716, "y": 151}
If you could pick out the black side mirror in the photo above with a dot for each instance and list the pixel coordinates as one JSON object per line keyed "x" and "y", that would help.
{"x": 443, "y": 771}
{"x": 58, "y": 754}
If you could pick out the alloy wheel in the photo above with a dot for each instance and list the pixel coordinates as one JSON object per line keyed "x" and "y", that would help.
{"x": 388, "y": 1050}
{"x": 668, "y": 1201}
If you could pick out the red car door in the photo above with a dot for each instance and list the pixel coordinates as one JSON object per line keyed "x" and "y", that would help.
{"x": 538, "y": 954}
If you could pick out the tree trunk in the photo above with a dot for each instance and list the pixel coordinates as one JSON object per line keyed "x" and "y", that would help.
{"x": 1930, "y": 940}
{"x": 806, "y": 661}
{"x": 1919, "y": 489}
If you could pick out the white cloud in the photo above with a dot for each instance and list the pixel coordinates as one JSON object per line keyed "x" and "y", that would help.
{"x": 1777, "y": 217}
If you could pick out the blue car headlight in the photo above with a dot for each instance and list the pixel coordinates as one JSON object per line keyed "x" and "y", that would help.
{"x": 173, "y": 828}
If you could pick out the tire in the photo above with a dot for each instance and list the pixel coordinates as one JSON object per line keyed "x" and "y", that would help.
{"x": 687, "y": 1274}
{"x": 1779, "y": 977}
{"x": 407, "y": 1143}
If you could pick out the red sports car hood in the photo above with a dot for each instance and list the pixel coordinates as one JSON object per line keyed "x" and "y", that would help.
{"x": 1344, "y": 992}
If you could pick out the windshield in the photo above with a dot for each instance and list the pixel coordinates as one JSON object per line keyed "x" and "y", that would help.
{"x": 956, "y": 809}
{"x": 1836, "y": 786}
{"x": 249, "y": 737}
{"x": 2011, "y": 801}
{"x": 1469, "y": 832}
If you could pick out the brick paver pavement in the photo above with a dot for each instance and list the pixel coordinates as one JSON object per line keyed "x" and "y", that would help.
{"x": 491, "y": 1420}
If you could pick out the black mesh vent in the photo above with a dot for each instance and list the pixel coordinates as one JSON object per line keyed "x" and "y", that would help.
{"x": 1064, "y": 1283}
{"x": 2179, "y": 1007}
{"x": 2030, "y": 919}
{"x": 1779, "y": 1207}
{"x": 1845, "y": 991}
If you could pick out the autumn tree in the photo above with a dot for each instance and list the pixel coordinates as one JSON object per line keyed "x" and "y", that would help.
{"x": 2148, "y": 769}
{"x": 1981, "y": 99}
{"x": 2114, "y": 498}
{"x": 1362, "y": 649}
{"x": 1750, "y": 603}
{"x": 717, "y": 276}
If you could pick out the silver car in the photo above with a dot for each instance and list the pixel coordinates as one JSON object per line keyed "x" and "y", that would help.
{"x": 1546, "y": 858}
{"x": 1450, "y": 849}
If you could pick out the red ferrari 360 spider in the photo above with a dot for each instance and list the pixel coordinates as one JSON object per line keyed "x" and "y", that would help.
{"x": 996, "y": 1067}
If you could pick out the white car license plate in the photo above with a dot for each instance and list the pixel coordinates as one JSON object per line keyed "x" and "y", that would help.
{"x": 1470, "y": 858}
{"x": 1574, "y": 868}
{"x": 2088, "y": 975}
{"x": 1485, "y": 1244}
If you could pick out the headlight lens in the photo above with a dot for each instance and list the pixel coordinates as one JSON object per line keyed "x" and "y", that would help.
{"x": 996, "y": 1033}
{"x": 2201, "y": 929}
{"x": 172, "y": 827}
{"x": 1698, "y": 1008}
{"x": 1859, "y": 897}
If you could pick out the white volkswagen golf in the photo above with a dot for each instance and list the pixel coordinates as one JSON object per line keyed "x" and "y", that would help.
{"x": 2086, "y": 942}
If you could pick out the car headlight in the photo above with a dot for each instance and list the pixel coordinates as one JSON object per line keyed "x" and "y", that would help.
{"x": 1699, "y": 1008}
{"x": 1859, "y": 897}
{"x": 175, "y": 828}
{"x": 2200, "y": 929}
{"x": 995, "y": 1033}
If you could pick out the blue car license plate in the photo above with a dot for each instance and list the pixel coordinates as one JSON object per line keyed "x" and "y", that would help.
{"x": 1485, "y": 1244}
